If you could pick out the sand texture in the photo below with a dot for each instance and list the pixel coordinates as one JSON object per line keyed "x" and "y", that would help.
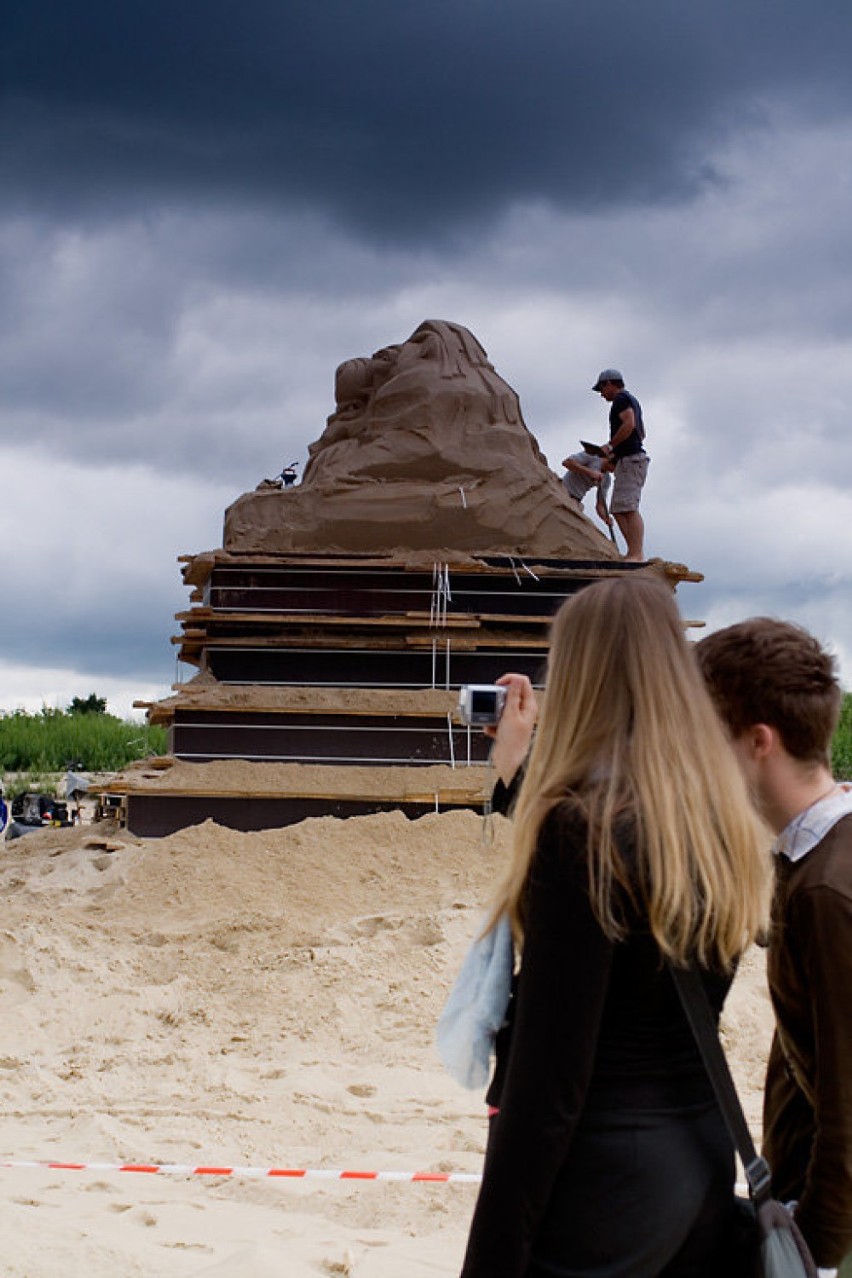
{"x": 165, "y": 774}
{"x": 264, "y": 999}
{"x": 207, "y": 693}
{"x": 427, "y": 448}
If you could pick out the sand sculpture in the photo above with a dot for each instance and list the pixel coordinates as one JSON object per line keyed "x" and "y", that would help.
{"x": 427, "y": 547}
{"x": 426, "y": 451}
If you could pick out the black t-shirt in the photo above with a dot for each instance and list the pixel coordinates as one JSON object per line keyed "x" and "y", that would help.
{"x": 633, "y": 443}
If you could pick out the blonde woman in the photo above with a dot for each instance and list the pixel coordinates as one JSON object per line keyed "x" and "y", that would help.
{"x": 634, "y": 843}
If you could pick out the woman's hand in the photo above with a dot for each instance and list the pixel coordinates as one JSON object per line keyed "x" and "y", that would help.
{"x": 513, "y": 732}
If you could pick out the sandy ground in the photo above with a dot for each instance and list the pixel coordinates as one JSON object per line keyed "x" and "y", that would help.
{"x": 259, "y": 1000}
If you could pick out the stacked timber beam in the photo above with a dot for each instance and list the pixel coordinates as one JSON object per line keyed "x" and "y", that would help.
{"x": 329, "y": 686}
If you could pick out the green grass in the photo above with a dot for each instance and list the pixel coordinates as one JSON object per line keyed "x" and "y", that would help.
{"x": 841, "y": 748}
{"x": 52, "y": 739}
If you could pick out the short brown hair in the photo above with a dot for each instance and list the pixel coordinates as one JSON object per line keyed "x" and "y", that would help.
{"x": 769, "y": 671}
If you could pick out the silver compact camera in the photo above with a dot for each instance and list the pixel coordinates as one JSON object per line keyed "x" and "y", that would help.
{"x": 481, "y": 703}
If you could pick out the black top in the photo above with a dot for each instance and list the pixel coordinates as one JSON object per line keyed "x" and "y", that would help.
{"x": 633, "y": 443}
{"x": 594, "y": 1025}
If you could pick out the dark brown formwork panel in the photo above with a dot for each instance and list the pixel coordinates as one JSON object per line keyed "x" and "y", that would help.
{"x": 156, "y": 815}
{"x": 321, "y": 596}
{"x": 368, "y": 668}
{"x": 393, "y": 587}
{"x": 325, "y": 739}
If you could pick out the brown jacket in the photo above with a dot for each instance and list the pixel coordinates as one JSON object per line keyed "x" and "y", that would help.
{"x": 808, "y": 1103}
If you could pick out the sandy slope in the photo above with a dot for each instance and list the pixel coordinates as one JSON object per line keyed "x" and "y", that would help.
{"x": 261, "y": 999}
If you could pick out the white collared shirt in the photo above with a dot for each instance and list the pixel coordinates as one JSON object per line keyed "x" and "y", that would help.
{"x": 802, "y": 835}
{"x": 810, "y": 827}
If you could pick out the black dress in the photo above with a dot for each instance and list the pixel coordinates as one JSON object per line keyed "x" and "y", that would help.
{"x": 608, "y": 1157}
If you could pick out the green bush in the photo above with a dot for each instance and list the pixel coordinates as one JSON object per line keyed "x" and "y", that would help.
{"x": 841, "y": 747}
{"x": 53, "y": 739}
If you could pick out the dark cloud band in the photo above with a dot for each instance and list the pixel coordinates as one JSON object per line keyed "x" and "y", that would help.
{"x": 391, "y": 115}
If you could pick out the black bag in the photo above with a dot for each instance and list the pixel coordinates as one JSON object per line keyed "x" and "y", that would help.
{"x": 770, "y": 1243}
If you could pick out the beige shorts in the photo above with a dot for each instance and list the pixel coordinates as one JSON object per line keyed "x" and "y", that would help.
{"x": 630, "y": 473}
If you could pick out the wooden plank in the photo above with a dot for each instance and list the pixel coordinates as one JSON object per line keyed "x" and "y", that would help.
{"x": 422, "y": 703}
{"x": 458, "y": 794}
{"x": 472, "y": 643}
{"x": 494, "y": 565}
{"x": 517, "y": 619}
{"x": 462, "y": 642}
{"x": 391, "y": 620}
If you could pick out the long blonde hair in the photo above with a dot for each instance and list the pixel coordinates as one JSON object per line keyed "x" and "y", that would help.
{"x": 628, "y": 736}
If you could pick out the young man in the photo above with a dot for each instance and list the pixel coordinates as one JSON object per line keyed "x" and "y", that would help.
{"x": 625, "y": 450}
{"x": 777, "y": 692}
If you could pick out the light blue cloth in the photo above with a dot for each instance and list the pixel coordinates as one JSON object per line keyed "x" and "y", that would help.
{"x": 476, "y": 1006}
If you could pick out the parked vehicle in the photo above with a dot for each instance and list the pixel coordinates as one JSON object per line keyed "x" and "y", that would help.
{"x": 35, "y": 811}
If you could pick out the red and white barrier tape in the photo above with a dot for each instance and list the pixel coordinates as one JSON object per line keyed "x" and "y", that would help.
{"x": 260, "y": 1173}
{"x": 256, "y": 1173}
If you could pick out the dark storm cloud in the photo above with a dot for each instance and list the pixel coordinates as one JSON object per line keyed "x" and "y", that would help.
{"x": 98, "y": 646}
{"x": 387, "y": 112}
{"x": 205, "y": 206}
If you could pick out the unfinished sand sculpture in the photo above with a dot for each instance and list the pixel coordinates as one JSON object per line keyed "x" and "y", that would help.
{"x": 427, "y": 547}
{"x": 426, "y": 451}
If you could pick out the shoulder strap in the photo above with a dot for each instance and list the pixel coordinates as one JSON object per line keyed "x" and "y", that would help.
{"x": 699, "y": 1014}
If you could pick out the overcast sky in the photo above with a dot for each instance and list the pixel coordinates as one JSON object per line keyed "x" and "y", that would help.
{"x": 206, "y": 206}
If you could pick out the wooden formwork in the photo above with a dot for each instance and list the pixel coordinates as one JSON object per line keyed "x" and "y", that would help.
{"x": 348, "y": 664}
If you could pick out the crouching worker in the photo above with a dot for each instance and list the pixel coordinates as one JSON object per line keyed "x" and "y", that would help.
{"x": 777, "y": 692}
{"x": 583, "y": 471}
{"x": 634, "y": 840}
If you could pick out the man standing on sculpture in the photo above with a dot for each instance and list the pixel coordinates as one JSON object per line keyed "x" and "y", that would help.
{"x": 625, "y": 448}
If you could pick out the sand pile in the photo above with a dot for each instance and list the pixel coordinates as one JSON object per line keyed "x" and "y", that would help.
{"x": 262, "y": 999}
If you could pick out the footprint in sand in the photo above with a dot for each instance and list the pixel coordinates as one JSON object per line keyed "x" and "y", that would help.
{"x": 16, "y": 980}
